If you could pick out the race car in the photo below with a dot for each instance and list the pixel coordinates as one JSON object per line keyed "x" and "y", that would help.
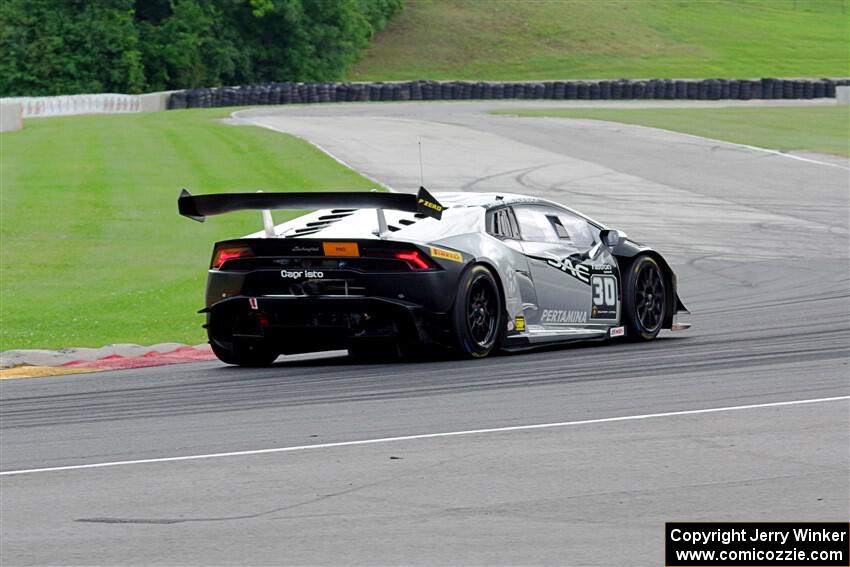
{"x": 465, "y": 273}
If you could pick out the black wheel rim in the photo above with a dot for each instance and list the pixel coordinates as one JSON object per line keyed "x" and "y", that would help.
{"x": 649, "y": 297}
{"x": 481, "y": 312}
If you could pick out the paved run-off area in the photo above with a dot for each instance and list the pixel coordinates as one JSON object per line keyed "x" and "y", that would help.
{"x": 759, "y": 242}
{"x": 593, "y": 494}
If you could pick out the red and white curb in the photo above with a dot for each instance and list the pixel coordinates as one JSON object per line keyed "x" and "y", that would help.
{"x": 35, "y": 363}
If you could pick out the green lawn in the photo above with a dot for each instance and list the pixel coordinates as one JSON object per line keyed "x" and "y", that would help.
{"x": 818, "y": 129}
{"x": 93, "y": 250}
{"x": 592, "y": 39}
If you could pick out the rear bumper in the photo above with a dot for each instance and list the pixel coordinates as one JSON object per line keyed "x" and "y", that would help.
{"x": 295, "y": 324}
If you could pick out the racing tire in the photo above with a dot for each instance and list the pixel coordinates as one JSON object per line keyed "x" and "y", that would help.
{"x": 252, "y": 355}
{"x": 478, "y": 318}
{"x": 644, "y": 299}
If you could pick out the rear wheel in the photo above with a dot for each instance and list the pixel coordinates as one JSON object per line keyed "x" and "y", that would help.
{"x": 253, "y": 354}
{"x": 477, "y": 316}
{"x": 644, "y": 299}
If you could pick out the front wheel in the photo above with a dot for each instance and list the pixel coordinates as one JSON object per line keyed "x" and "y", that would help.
{"x": 644, "y": 299}
{"x": 255, "y": 354}
{"x": 477, "y": 316}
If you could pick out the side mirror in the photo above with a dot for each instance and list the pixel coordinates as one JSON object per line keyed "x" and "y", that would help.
{"x": 610, "y": 238}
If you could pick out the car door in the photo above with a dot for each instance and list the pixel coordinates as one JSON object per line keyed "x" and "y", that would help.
{"x": 502, "y": 224}
{"x": 575, "y": 277}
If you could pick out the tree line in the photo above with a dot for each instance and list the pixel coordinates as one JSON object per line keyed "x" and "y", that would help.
{"x": 50, "y": 47}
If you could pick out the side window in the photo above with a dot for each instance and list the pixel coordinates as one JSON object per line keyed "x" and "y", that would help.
{"x": 540, "y": 223}
{"x": 534, "y": 224}
{"x": 501, "y": 223}
{"x": 577, "y": 230}
{"x": 560, "y": 230}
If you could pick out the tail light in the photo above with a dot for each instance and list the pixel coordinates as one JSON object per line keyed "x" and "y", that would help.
{"x": 222, "y": 255}
{"x": 416, "y": 260}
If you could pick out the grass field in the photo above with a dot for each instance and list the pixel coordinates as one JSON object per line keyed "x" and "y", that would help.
{"x": 592, "y": 39}
{"x": 818, "y": 129}
{"x": 92, "y": 250}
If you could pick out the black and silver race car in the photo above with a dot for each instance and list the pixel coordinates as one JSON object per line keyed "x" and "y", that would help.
{"x": 473, "y": 273}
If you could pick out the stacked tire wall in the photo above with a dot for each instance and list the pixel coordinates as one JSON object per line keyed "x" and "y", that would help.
{"x": 663, "y": 89}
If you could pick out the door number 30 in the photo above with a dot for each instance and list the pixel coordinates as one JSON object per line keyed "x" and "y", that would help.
{"x": 605, "y": 290}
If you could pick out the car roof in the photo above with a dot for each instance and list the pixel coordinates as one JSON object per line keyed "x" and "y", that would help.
{"x": 494, "y": 200}
{"x": 459, "y": 217}
{"x": 486, "y": 200}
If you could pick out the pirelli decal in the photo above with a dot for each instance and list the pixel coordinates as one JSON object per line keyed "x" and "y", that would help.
{"x": 427, "y": 205}
{"x": 431, "y": 205}
{"x": 446, "y": 254}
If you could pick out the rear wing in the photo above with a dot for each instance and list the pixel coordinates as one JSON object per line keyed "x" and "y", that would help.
{"x": 198, "y": 207}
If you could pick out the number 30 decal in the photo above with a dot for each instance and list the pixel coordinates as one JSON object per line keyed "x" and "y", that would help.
{"x": 604, "y": 297}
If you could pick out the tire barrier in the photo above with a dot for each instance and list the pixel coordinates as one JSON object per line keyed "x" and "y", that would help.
{"x": 623, "y": 89}
{"x": 77, "y": 104}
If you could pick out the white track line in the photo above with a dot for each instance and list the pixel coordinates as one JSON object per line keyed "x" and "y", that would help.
{"x": 258, "y": 124}
{"x": 749, "y": 147}
{"x": 706, "y": 139}
{"x": 426, "y": 436}
{"x": 792, "y": 156}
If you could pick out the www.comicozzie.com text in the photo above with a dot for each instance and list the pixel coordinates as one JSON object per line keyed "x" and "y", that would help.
{"x": 727, "y": 536}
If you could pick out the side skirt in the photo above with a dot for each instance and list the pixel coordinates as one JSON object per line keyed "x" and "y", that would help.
{"x": 539, "y": 337}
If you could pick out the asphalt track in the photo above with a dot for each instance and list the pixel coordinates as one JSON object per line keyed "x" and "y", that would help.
{"x": 760, "y": 245}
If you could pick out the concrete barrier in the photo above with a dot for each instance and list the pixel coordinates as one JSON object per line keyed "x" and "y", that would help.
{"x": 842, "y": 95}
{"x": 154, "y": 102}
{"x": 91, "y": 104}
{"x": 11, "y": 116}
{"x": 77, "y": 104}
